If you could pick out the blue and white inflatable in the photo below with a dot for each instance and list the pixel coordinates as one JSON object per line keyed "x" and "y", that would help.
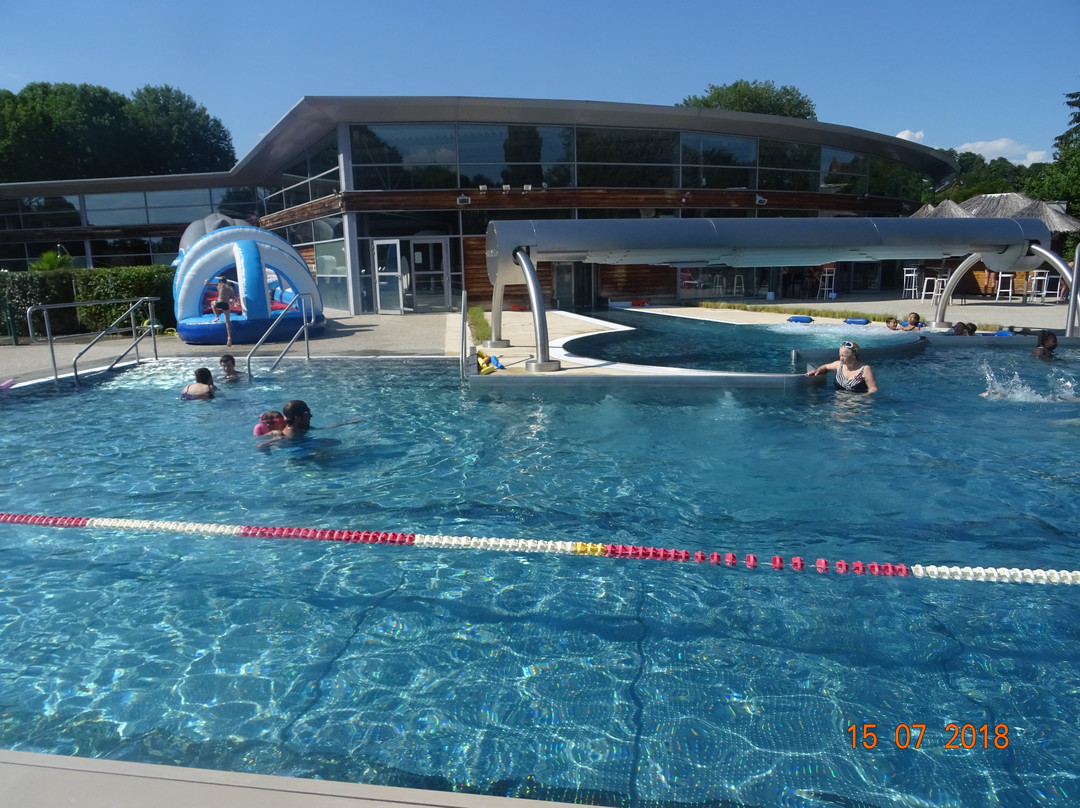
{"x": 267, "y": 271}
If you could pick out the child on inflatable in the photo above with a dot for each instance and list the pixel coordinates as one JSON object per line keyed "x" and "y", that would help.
{"x": 270, "y": 422}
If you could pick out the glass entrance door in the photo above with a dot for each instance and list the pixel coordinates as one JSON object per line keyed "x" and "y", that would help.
{"x": 391, "y": 277}
{"x": 430, "y": 274}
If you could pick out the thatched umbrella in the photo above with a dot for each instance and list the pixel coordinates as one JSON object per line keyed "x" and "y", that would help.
{"x": 949, "y": 210}
{"x": 992, "y": 206}
{"x": 1054, "y": 219}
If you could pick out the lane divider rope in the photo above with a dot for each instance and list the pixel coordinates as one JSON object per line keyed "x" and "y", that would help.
{"x": 729, "y": 559}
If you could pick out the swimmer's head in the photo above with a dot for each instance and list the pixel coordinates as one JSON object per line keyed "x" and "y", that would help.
{"x": 296, "y": 409}
{"x": 271, "y": 417}
{"x": 203, "y": 376}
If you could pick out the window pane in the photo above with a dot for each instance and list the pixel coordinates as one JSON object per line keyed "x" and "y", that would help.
{"x": 404, "y": 144}
{"x": 596, "y": 145}
{"x": 397, "y": 178}
{"x": 297, "y": 195}
{"x": 494, "y": 176}
{"x": 718, "y": 150}
{"x": 116, "y": 217}
{"x": 168, "y": 199}
{"x": 324, "y": 158}
{"x": 781, "y": 154}
{"x": 884, "y": 178}
{"x": 134, "y": 199}
{"x": 298, "y": 233}
{"x": 330, "y": 259}
{"x": 171, "y": 215}
{"x": 843, "y": 162}
{"x": 325, "y": 186}
{"x": 788, "y": 180}
{"x": 843, "y": 184}
{"x": 239, "y": 193}
{"x": 609, "y": 176}
{"x": 329, "y": 228}
{"x": 729, "y": 178}
{"x": 514, "y": 144}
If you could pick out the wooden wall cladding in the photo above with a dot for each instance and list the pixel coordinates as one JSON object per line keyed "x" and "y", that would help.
{"x": 634, "y": 200}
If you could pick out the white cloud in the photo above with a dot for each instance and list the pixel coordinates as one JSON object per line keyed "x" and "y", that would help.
{"x": 915, "y": 137}
{"x": 1011, "y": 150}
{"x": 1005, "y": 147}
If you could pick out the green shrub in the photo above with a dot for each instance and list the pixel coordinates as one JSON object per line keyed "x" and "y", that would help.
{"x": 24, "y": 289}
{"x": 478, "y": 324}
{"x": 117, "y": 283}
{"x": 21, "y": 290}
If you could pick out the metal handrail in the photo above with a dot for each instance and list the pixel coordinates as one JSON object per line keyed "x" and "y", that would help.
{"x": 138, "y": 333}
{"x": 464, "y": 330}
{"x": 306, "y": 311}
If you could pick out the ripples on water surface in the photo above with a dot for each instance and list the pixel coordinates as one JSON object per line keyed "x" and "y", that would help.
{"x": 572, "y": 678}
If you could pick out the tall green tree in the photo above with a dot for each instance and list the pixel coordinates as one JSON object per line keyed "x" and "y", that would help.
{"x": 755, "y": 96}
{"x": 177, "y": 135}
{"x": 77, "y": 131}
{"x": 58, "y": 131}
{"x": 1070, "y": 136}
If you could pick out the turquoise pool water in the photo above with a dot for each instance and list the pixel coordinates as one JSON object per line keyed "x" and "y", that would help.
{"x": 595, "y": 680}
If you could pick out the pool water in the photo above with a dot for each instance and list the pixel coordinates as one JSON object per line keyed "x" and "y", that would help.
{"x": 606, "y": 681}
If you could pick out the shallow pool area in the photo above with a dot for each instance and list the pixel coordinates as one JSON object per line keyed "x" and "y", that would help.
{"x": 610, "y": 681}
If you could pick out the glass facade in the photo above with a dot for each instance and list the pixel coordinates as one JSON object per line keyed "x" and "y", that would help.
{"x": 428, "y": 156}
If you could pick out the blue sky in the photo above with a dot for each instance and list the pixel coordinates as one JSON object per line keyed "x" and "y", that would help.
{"x": 975, "y": 75}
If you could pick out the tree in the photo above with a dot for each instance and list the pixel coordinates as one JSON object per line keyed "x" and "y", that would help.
{"x": 755, "y": 96}
{"x": 69, "y": 131}
{"x": 1070, "y": 136}
{"x": 59, "y": 131}
{"x": 177, "y": 135}
{"x": 51, "y": 259}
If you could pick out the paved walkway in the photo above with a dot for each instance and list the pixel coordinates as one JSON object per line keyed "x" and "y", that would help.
{"x": 362, "y": 335}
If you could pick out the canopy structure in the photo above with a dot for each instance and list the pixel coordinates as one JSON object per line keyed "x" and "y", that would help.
{"x": 514, "y": 246}
{"x": 947, "y": 210}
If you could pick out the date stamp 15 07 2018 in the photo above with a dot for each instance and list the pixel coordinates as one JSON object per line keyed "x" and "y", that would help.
{"x": 910, "y": 736}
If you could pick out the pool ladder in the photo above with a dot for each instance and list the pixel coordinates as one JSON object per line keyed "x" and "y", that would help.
{"x": 307, "y": 316}
{"x": 138, "y": 332}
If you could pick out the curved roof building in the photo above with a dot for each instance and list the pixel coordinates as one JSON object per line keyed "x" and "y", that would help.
{"x": 388, "y": 198}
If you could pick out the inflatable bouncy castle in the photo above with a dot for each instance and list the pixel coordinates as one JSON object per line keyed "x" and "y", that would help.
{"x": 266, "y": 272}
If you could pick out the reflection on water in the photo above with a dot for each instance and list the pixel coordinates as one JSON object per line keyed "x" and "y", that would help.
{"x": 610, "y": 681}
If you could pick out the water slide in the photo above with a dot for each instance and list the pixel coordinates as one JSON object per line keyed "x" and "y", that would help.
{"x": 265, "y": 270}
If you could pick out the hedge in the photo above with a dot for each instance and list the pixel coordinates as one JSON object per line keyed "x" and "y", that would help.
{"x": 24, "y": 289}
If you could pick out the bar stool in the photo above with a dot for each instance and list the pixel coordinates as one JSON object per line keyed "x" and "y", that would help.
{"x": 911, "y": 282}
{"x": 825, "y": 285}
{"x": 737, "y": 286}
{"x": 932, "y": 287}
{"x": 719, "y": 284}
{"x": 1038, "y": 283}
{"x": 1003, "y": 279}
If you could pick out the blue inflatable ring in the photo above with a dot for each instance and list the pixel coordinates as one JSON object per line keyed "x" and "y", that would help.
{"x": 800, "y": 318}
{"x": 857, "y": 321}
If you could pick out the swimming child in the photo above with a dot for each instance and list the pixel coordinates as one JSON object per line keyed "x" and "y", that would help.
{"x": 914, "y": 323}
{"x": 270, "y": 422}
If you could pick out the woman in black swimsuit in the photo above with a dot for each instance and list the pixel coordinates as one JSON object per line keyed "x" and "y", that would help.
{"x": 850, "y": 374}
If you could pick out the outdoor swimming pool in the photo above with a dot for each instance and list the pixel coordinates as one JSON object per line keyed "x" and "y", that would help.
{"x": 611, "y": 681}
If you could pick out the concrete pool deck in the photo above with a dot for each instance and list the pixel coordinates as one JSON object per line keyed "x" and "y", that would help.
{"x": 33, "y": 779}
{"x": 439, "y": 334}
